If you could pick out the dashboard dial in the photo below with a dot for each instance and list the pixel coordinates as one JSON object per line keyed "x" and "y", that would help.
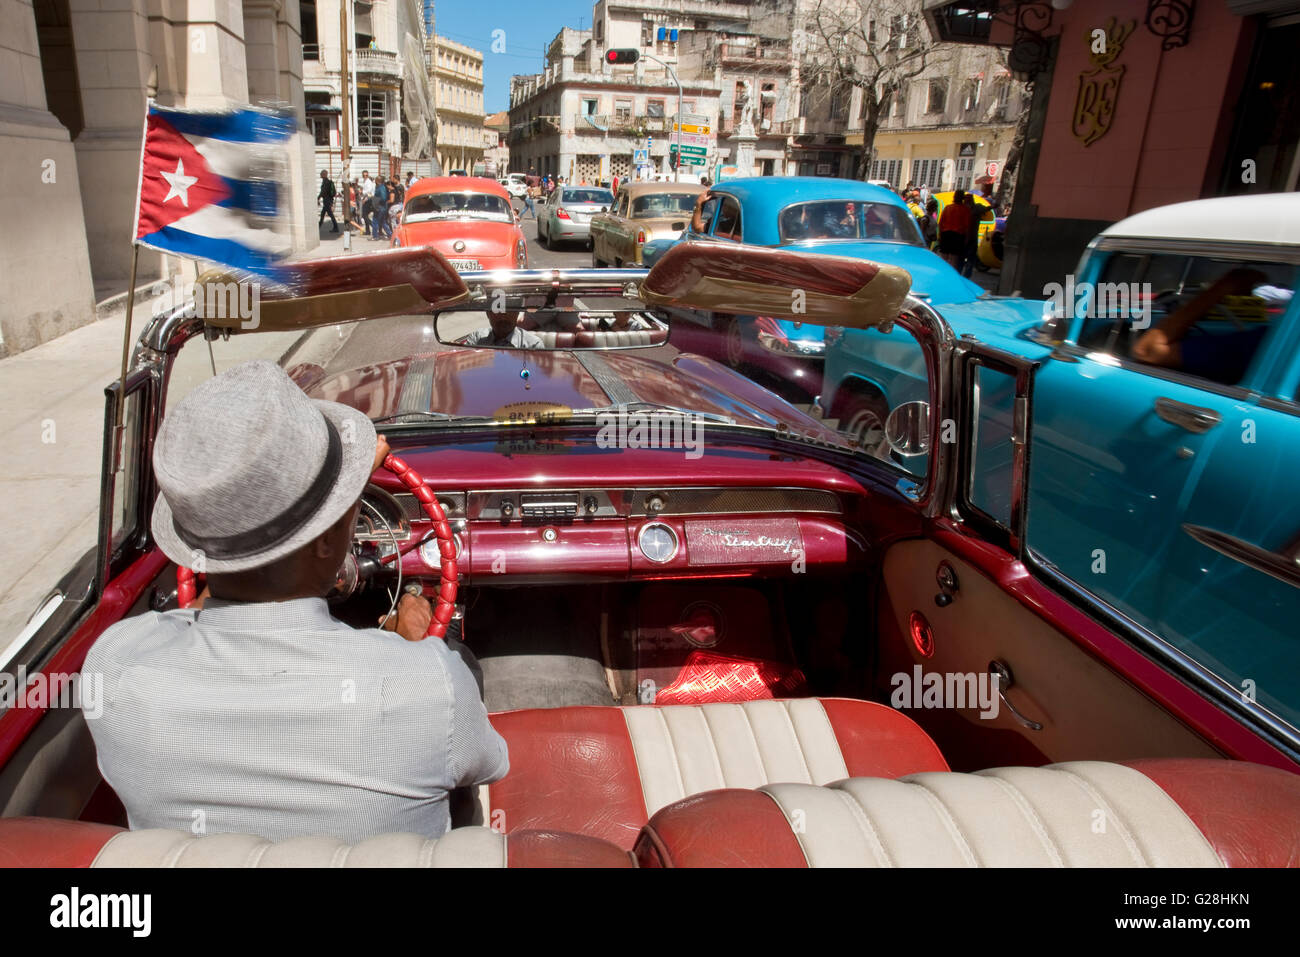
{"x": 658, "y": 542}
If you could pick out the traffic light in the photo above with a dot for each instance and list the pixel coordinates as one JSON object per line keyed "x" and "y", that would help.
{"x": 624, "y": 55}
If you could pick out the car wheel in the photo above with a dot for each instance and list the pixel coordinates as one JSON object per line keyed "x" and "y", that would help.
{"x": 595, "y": 262}
{"x": 541, "y": 237}
{"x": 590, "y": 244}
{"x": 863, "y": 419}
{"x": 735, "y": 342}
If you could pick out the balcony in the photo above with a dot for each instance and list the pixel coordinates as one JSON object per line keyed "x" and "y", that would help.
{"x": 753, "y": 56}
{"x": 537, "y": 126}
{"x": 378, "y": 62}
{"x": 618, "y": 124}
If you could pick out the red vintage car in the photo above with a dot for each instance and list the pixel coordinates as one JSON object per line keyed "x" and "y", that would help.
{"x": 468, "y": 219}
{"x": 712, "y": 632}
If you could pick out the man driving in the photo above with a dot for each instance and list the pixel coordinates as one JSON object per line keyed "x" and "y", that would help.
{"x": 504, "y": 332}
{"x": 260, "y": 713}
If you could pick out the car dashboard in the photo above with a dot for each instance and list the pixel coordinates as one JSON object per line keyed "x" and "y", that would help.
{"x": 577, "y": 533}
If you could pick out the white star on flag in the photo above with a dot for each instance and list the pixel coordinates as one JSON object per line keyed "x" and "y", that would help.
{"x": 180, "y": 183}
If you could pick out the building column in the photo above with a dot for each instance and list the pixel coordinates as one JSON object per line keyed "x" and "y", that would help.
{"x": 273, "y": 52}
{"x": 113, "y": 63}
{"x": 46, "y": 284}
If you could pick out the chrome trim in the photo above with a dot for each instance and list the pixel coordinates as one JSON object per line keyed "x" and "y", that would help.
{"x": 1219, "y": 249}
{"x": 677, "y": 545}
{"x": 1070, "y": 350}
{"x": 1285, "y": 567}
{"x": 1194, "y": 418}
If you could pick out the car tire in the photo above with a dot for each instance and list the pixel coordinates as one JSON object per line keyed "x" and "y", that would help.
{"x": 595, "y": 262}
{"x": 863, "y": 419}
{"x": 541, "y": 237}
{"x": 734, "y": 342}
{"x": 590, "y": 243}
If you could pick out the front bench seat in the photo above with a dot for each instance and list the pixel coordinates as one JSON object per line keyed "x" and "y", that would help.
{"x": 50, "y": 842}
{"x": 603, "y": 771}
{"x": 1150, "y": 813}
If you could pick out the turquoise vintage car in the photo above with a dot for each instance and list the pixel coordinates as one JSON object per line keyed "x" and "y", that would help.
{"x": 1165, "y": 432}
{"x": 813, "y": 214}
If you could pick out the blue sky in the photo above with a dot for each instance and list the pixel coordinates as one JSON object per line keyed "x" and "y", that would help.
{"x": 529, "y": 27}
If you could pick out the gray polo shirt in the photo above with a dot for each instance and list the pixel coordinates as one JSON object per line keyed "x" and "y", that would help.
{"x": 275, "y": 719}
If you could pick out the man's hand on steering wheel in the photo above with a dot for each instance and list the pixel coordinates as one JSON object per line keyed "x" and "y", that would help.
{"x": 412, "y": 619}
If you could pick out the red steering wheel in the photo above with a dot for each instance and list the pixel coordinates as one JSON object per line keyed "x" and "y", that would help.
{"x": 187, "y": 582}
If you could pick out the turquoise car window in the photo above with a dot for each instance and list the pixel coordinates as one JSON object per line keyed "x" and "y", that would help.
{"x": 728, "y": 224}
{"x": 848, "y": 219}
{"x": 1201, "y": 315}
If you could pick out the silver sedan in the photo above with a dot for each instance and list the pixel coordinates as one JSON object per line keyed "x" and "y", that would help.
{"x": 566, "y": 215}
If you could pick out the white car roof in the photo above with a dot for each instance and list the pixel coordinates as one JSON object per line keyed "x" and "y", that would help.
{"x": 1263, "y": 218}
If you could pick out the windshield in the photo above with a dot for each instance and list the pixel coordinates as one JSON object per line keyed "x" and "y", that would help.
{"x": 601, "y": 197}
{"x": 652, "y": 205}
{"x": 469, "y": 366}
{"x": 431, "y": 206}
{"x": 848, "y": 219}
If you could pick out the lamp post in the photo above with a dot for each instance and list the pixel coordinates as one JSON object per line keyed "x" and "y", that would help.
{"x": 677, "y": 126}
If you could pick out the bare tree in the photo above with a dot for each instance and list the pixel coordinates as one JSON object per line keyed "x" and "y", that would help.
{"x": 875, "y": 46}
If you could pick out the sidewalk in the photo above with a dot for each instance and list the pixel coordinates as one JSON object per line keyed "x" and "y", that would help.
{"x": 51, "y": 429}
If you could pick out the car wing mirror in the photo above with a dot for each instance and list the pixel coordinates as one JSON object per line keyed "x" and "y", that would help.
{"x": 323, "y": 292}
{"x": 757, "y": 280}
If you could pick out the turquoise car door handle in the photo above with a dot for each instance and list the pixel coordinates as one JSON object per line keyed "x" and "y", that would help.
{"x": 1283, "y": 565}
{"x": 1193, "y": 418}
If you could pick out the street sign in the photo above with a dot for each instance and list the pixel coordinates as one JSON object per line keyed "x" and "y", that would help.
{"x": 694, "y": 139}
{"x": 991, "y": 169}
{"x": 688, "y": 150}
{"x": 640, "y": 157}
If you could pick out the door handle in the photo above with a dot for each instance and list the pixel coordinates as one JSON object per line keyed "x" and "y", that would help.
{"x": 1002, "y": 677}
{"x": 1193, "y": 418}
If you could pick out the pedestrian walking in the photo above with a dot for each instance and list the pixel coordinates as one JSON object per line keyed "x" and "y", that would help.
{"x": 534, "y": 192}
{"x": 971, "y": 255}
{"x": 326, "y": 197}
{"x": 953, "y": 225}
{"x": 380, "y": 210}
{"x": 367, "y": 188}
{"x": 615, "y": 185}
{"x": 930, "y": 223}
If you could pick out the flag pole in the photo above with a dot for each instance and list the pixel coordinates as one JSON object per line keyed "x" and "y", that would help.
{"x": 126, "y": 356}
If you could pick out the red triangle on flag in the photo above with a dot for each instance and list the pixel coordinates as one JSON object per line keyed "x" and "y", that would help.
{"x": 175, "y": 181}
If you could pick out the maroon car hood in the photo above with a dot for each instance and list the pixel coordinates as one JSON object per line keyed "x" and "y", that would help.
{"x": 486, "y": 382}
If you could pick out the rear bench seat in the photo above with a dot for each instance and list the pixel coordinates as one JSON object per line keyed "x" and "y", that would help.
{"x": 48, "y": 842}
{"x": 1151, "y": 813}
{"x": 603, "y": 771}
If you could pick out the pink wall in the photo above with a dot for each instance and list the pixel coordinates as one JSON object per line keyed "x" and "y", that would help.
{"x": 1165, "y": 132}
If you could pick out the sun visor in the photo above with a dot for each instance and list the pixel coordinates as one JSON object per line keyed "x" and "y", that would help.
{"x": 322, "y": 292}
{"x": 758, "y": 280}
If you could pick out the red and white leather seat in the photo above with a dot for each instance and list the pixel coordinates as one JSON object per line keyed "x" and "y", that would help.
{"x": 48, "y": 842}
{"x": 1154, "y": 813}
{"x": 603, "y": 772}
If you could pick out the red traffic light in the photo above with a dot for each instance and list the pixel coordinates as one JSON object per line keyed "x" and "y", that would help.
{"x": 625, "y": 55}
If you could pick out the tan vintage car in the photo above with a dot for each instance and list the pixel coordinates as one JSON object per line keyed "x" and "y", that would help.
{"x": 641, "y": 212}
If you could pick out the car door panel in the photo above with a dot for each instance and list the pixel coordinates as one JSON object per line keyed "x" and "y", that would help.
{"x": 1087, "y": 711}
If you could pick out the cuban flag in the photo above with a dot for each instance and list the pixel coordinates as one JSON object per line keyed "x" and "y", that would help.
{"x": 210, "y": 186}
